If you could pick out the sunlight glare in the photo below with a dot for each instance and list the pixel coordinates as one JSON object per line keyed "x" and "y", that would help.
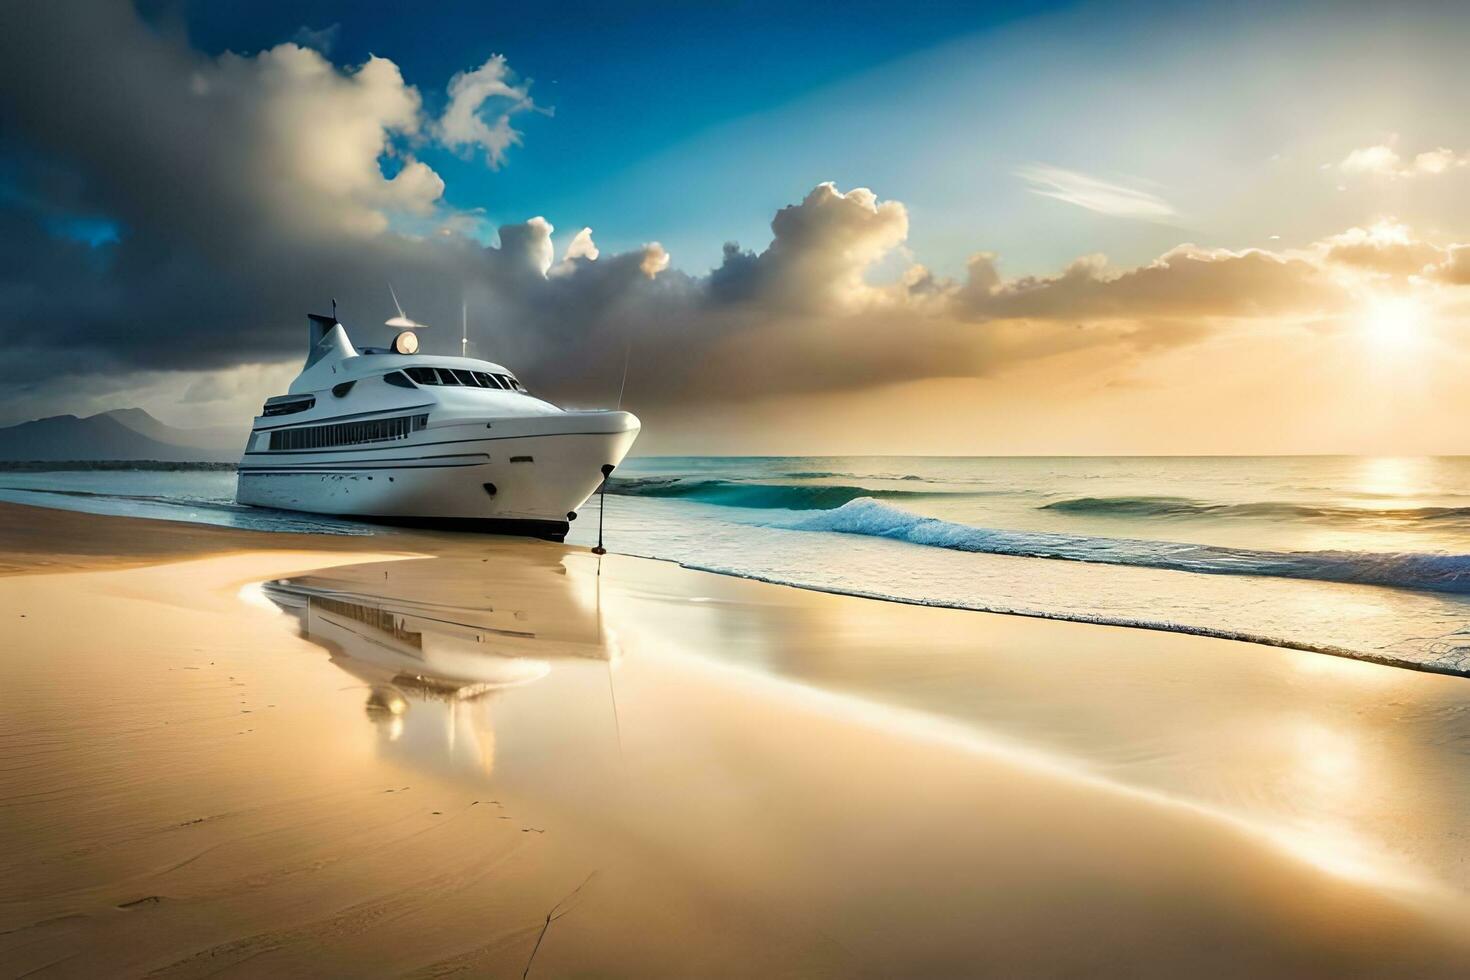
{"x": 1390, "y": 476}
{"x": 1393, "y": 322}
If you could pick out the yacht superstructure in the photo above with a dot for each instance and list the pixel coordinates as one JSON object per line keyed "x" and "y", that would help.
{"x": 394, "y": 435}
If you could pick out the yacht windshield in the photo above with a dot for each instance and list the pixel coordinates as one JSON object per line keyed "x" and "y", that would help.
{"x": 464, "y": 379}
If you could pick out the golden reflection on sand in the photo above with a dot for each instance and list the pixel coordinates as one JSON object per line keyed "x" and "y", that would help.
{"x": 442, "y": 643}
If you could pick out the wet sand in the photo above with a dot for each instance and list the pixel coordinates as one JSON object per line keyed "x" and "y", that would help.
{"x": 498, "y": 757}
{"x": 39, "y": 539}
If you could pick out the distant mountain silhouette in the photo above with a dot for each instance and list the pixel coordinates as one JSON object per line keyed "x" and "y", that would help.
{"x": 126, "y": 433}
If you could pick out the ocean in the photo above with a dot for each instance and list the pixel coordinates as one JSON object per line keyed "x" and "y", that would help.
{"x": 1356, "y": 556}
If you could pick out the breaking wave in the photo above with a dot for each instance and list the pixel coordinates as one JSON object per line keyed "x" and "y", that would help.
{"x": 735, "y": 493}
{"x": 826, "y": 475}
{"x": 866, "y": 516}
{"x": 1168, "y": 507}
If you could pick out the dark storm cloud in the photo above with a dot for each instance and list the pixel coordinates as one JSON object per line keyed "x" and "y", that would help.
{"x": 227, "y": 223}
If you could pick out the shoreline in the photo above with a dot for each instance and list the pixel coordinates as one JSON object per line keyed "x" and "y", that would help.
{"x": 380, "y": 532}
{"x": 1345, "y": 653}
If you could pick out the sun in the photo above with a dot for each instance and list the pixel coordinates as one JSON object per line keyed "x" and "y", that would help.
{"x": 1393, "y": 322}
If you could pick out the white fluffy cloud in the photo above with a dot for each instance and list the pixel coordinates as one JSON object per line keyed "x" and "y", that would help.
{"x": 820, "y": 251}
{"x": 1384, "y": 160}
{"x": 1387, "y": 248}
{"x": 309, "y": 137}
{"x": 581, "y": 246}
{"x": 488, "y": 91}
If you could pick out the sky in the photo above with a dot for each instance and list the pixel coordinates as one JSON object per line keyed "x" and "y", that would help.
{"x": 1036, "y": 228}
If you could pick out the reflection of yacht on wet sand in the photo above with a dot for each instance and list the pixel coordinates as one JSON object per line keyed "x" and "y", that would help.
{"x": 439, "y": 647}
{"x": 435, "y": 651}
{"x": 433, "y": 642}
{"x": 383, "y": 646}
{"x": 390, "y": 434}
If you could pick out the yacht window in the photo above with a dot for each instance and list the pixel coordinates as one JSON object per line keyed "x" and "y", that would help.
{"x": 461, "y": 378}
{"x": 398, "y": 379}
{"x": 287, "y": 405}
{"x": 343, "y": 388}
{"x": 347, "y": 433}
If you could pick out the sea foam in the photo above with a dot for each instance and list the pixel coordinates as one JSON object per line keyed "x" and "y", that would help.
{"x": 866, "y": 516}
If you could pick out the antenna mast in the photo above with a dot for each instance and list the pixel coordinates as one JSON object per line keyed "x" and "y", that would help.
{"x": 464, "y": 337}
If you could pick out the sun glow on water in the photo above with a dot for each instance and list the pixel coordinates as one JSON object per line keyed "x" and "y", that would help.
{"x": 1391, "y": 476}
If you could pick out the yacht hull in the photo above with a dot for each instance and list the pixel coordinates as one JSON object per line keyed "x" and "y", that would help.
{"x": 472, "y": 475}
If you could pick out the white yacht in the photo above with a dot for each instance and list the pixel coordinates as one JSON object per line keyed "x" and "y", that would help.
{"x": 393, "y": 435}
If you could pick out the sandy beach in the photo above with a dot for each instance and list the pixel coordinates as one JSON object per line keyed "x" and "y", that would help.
{"x": 250, "y": 754}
